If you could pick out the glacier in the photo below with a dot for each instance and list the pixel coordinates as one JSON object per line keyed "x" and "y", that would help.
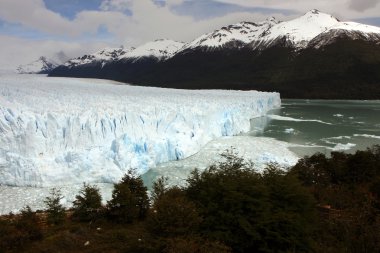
{"x": 259, "y": 150}
{"x": 61, "y": 131}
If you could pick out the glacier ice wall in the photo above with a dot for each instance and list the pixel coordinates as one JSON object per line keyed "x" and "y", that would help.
{"x": 57, "y": 131}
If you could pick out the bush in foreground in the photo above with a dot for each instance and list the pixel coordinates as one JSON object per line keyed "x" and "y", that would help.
{"x": 56, "y": 213}
{"x": 130, "y": 200}
{"x": 88, "y": 204}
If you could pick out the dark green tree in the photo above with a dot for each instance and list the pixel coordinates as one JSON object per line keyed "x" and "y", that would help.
{"x": 173, "y": 214}
{"x": 87, "y": 205}
{"x": 29, "y": 224}
{"x": 129, "y": 199}
{"x": 249, "y": 211}
{"x": 54, "y": 209}
{"x": 17, "y": 231}
{"x": 159, "y": 188}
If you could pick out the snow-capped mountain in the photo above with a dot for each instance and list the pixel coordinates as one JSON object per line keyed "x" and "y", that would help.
{"x": 296, "y": 33}
{"x": 40, "y": 66}
{"x": 103, "y": 56}
{"x": 233, "y": 35}
{"x": 157, "y": 50}
{"x": 269, "y": 56}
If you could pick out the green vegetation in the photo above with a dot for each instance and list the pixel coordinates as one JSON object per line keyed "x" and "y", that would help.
{"x": 322, "y": 204}
{"x": 55, "y": 211}
{"x": 88, "y": 204}
{"x": 129, "y": 199}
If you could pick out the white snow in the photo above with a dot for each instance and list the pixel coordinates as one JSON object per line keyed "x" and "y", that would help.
{"x": 160, "y": 49}
{"x": 301, "y": 30}
{"x": 298, "y": 32}
{"x": 244, "y": 32}
{"x": 104, "y": 56}
{"x": 42, "y": 64}
{"x": 353, "y": 26}
{"x": 55, "y": 131}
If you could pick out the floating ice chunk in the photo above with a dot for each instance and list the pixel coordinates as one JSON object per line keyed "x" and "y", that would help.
{"x": 289, "y": 130}
{"x": 282, "y": 118}
{"x": 338, "y": 138}
{"x": 342, "y": 147}
{"x": 367, "y": 136}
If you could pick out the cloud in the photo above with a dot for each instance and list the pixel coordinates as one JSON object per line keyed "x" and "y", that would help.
{"x": 210, "y": 9}
{"x": 115, "y": 5}
{"x": 133, "y": 22}
{"x": 15, "y": 51}
{"x": 363, "y": 5}
{"x": 345, "y": 9}
{"x": 34, "y": 14}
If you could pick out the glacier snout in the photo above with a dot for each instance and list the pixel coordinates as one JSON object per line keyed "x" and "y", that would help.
{"x": 56, "y": 131}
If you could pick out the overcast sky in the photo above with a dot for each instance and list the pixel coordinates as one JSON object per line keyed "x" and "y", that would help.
{"x": 63, "y": 29}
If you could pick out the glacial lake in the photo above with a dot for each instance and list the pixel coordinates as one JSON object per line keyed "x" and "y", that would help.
{"x": 322, "y": 125}
{"x": 297, "y": 129}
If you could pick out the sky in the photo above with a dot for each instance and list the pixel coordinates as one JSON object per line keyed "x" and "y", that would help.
{"x": 63, "y": 29}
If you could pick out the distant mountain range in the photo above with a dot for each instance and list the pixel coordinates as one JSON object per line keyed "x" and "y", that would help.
{"x": 313, "y": 56}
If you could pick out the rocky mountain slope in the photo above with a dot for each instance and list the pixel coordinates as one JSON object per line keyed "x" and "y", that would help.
{"x": 313, "y": 56}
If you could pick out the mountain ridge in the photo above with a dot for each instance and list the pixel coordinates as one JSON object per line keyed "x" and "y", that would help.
{"x": 246, "y": 55}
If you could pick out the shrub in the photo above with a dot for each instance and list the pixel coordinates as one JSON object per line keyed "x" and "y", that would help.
{"x": 129, "y": 199}
{"x": 87, "y": 204}
{"x": 16, "y": 231}
{"x": 173, "y": 215}
{"x": 55, "y": 211}
{"x": 251, "y": 212}
{"x": 194, "y": 244}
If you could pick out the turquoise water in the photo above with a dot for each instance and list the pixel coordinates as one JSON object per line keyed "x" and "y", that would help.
{"x": 322, "y": 125}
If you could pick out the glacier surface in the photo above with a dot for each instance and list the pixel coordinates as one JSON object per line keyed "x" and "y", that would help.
{"x": 59, "y": 131}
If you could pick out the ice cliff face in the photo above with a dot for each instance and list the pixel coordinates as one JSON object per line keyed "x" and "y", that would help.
{"x": 56, "y": 131}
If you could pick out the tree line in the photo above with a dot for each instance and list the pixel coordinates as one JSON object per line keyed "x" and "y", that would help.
{"x": 322, "y": 204}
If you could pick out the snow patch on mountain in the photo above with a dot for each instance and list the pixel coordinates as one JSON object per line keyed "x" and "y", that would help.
{"x": 297, "y": 33}
{"x": 160, "y": 49}
{"x": 301, "y": 30}
{"x": 40, "y": 66}
{"x": 313, "y": 29}
{"x": 103, "y": 56}
{"x": 244, "y": 33}
{"x": 56, "y": 131}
